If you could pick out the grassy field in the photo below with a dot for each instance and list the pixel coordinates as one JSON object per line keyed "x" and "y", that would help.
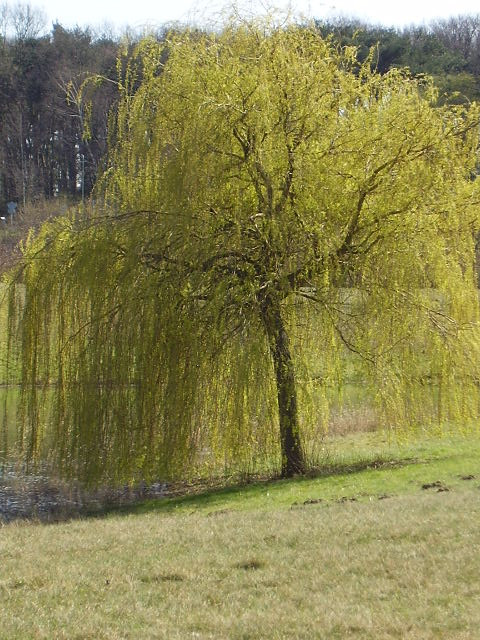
{"x": 363, "y": 551}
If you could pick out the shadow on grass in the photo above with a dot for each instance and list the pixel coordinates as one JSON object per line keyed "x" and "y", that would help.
{"x": 247, "y": 490}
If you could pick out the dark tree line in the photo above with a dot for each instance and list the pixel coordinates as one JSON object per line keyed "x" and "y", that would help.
{"x": 44, "y": 149}
{"x": 448, "y": 50}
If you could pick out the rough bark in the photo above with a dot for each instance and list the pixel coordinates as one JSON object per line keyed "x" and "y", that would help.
{"x": 292, "y": 454}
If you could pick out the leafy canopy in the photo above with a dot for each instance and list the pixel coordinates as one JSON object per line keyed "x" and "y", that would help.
{"x": 275, "y": 216}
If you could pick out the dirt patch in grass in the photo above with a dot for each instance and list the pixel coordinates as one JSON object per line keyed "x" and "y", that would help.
{"x": 438, "y": 485}
{"x": 250, "y": 565}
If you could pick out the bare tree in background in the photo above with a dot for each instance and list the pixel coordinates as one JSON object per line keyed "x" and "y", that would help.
{"x": 27, "y": 21}
{"x": 461, "y": 34}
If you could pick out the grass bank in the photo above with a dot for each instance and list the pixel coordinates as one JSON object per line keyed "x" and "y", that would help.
{"x": 361, "y": 552}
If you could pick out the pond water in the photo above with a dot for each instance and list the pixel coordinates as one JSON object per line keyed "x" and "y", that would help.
{"x": 40, "y": 496}
{"x": 37, "y": 496}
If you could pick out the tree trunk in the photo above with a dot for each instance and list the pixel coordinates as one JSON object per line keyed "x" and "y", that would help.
{"x": 292, "y": 454}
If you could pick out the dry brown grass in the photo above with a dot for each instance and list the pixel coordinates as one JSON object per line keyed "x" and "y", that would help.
{"x": 353, "y": 420}
{"x": 406, "y": 567}
{"x": 31, "y": 216}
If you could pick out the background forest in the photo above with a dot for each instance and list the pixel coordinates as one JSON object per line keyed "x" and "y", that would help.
{"x": 45, "y": 150}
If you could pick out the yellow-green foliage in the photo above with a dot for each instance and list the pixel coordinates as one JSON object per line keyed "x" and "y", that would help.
{"x": 256, "y": 170}
{"x": 3, "y": 332}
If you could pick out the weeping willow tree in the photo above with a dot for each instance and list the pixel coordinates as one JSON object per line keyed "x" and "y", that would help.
{"x": 270, "y": 206}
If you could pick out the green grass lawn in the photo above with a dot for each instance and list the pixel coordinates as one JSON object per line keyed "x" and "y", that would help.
{"x": 287, "y": 559}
